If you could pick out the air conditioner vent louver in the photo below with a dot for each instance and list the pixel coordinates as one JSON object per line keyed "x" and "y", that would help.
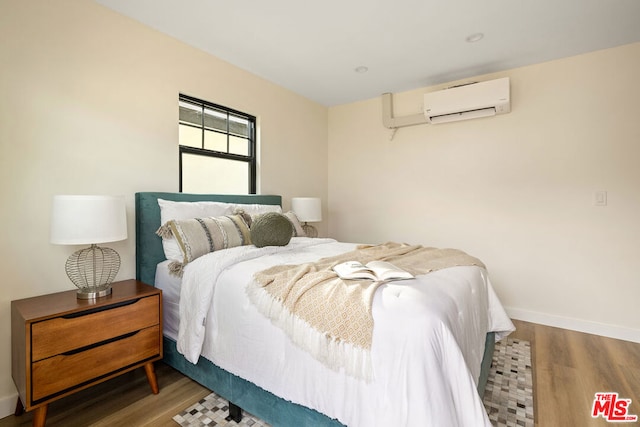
{"x": 468, "y": 101}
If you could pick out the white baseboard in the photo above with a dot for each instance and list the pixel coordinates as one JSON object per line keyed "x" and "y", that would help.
{"x": 8, "y": 405}
{"x": 602, "y": 329}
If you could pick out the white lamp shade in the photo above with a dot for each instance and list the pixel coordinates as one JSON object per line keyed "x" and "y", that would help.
{"x": 307, "y": 209}
{"x": 79, "y": 220}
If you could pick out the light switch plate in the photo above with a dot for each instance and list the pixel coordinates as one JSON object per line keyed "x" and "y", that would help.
{"x": 600, "y": 198}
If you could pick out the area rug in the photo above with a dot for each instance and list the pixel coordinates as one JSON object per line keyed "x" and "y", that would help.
{"x": 508, "y": 396}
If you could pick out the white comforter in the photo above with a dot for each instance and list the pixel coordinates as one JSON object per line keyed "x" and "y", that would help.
{"x": 428, "y": 340}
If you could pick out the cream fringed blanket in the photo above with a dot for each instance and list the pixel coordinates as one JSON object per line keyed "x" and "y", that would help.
{"x": 330, "y": 317}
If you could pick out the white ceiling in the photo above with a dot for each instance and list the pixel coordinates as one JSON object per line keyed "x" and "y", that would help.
{"x": 314, "y": 47}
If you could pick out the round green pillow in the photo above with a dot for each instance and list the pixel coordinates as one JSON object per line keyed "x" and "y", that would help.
{"x": 271, "y": 229}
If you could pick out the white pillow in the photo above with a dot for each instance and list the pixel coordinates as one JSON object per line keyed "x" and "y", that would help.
{"x": 170, "y": 210}
{"x": 298, "y": 231}
{"x": 256, "y": 209}
{"x": 186, "y": 210}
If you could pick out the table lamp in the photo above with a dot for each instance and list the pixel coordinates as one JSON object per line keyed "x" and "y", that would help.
{"x": 81, "y": 220}
{"x": 307, "y": 209}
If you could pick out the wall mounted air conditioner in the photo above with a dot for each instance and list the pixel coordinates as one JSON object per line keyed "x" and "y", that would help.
{"x": 468, "y": 101}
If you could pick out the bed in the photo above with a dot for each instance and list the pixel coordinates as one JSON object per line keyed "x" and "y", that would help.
{"x": 301, "y": 391}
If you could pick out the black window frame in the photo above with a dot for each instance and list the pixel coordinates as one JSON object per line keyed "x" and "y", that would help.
{"x": 250, "y": 159}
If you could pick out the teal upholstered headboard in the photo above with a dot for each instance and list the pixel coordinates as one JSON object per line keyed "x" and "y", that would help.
{"x": 149, "y": 246}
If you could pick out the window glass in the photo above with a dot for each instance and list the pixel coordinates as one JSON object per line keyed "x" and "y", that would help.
{"x": 217, "y": 148}
{"x": 203, "y": 174}
{"x": 215, "y": 141}
{"x": 238, "y": 145}
{"x": 190, "y": 136}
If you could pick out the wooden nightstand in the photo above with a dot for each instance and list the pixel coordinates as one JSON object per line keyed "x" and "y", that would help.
{"x": 61, "y": 344}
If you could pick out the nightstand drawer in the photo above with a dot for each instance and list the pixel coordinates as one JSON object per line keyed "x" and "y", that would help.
{"x": 58, "y": 373}
{"x": 66, "y": 333}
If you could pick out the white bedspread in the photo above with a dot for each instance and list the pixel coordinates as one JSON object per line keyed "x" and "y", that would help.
{"x": 428, "y": 340}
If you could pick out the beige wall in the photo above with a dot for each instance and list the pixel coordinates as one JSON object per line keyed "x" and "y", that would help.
{"x": 89, "y": 105}
{"x": 515, "y": 190}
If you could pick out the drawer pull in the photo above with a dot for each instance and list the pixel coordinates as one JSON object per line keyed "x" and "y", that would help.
{"x": 98, "y": 344}
{"x": 99, "y": 309}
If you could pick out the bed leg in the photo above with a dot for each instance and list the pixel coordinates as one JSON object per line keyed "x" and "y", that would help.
{"x": 235, "y": 413}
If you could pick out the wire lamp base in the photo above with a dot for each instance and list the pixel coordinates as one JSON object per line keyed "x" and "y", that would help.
{"x": 309, "y": 230}
{"x": 92, "y": 270}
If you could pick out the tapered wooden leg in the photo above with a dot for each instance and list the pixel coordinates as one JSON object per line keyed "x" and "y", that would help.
{"x": 151, "y": 377}
{"x": 39, "y": 416}
{"x": 19, "y": 408}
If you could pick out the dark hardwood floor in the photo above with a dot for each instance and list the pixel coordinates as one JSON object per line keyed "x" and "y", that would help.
{"x": 569, "y": 368}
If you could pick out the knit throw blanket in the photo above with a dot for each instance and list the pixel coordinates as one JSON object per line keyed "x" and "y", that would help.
{"x": 330, "y": 317}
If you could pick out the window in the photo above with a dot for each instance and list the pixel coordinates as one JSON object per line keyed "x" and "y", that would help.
{"x": 217, "y": 148}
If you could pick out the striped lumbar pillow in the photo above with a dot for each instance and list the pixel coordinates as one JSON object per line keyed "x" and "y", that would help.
{"x": 199, "y": 236}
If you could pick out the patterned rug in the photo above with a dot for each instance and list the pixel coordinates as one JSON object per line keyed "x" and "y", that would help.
{"x": 508, "y": 396}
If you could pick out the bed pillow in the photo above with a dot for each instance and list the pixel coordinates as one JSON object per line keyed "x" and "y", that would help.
{"x": 185, "y": 210}
{"x": 271, "y": 229}
{"x": 170, "y": 210}
{"x": 254, "y": 209}
{"x": 199, "y": 236}
{"x": 298, "y": 231}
